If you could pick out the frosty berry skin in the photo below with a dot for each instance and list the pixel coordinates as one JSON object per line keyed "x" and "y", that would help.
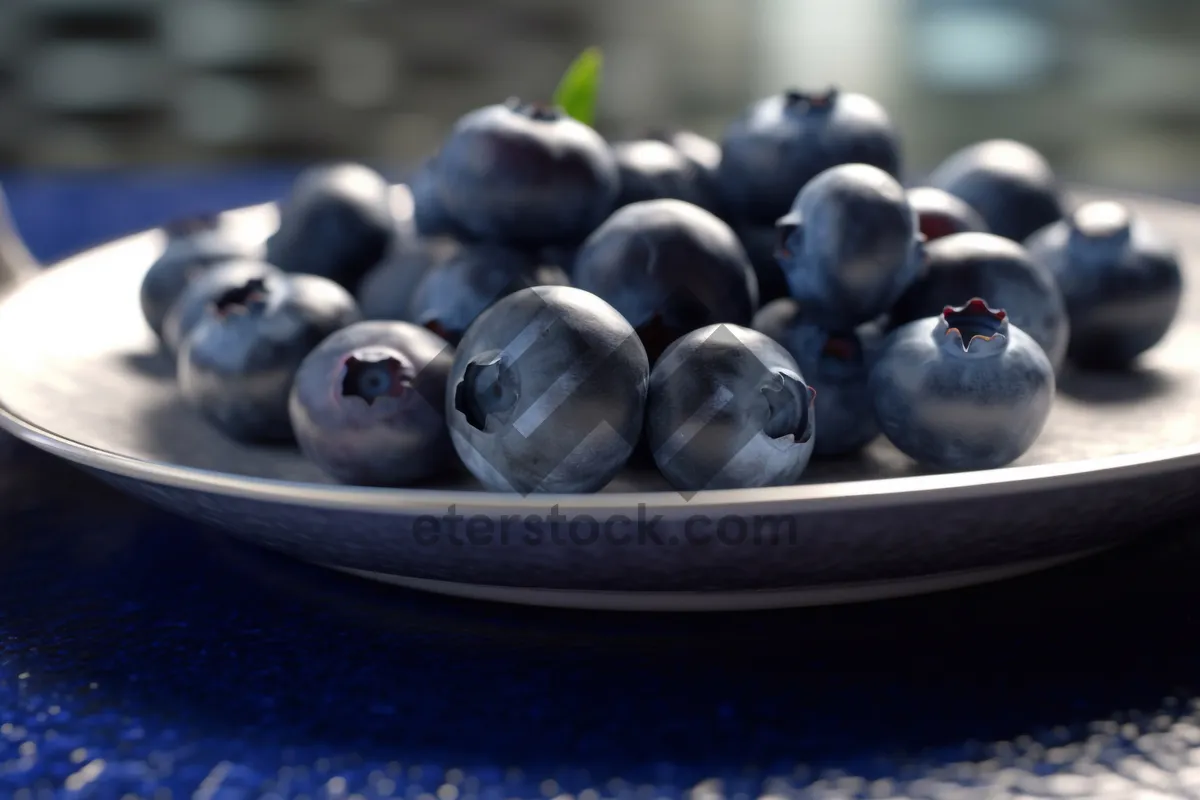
{"x": 654, "y": 170}
{"x": 193, "y": 304}
{"x": 385, "y": 292}
{"x": 850, "y": 245}
{"x": 728, "y": 409}
{"x": 547, "y": 392}
{"x": 193, "y": 247}
{"x": 836, "y": 365}
{"x": 236, "y": 366}
{"x": 1008, "y": 183}
{"x": 430, "y": 218}
{"x": 704, "y": 155}
{"x": 940, "y": 213}
{"x": 965, "y": 265}
{"x": 367, "y": 404}
{"x": 452, "y": 294}
{"x": 965, "y": 390}
{"x": 669, "y": 267}
{"x": 782, "y": 142}
{"x": 525, "y": 175}
{"x": 338, "y": 222}
{"x": 761, "y": 243}
{"x": 1121, "y": 282}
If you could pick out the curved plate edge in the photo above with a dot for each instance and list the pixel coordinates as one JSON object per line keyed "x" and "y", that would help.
{"x": 767, "y": 600}
{"x": 824, "y": 497}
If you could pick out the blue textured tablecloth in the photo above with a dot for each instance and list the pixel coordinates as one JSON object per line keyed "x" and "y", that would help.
{"x": 140, "y": 654}
{"x": 143, "y": 657}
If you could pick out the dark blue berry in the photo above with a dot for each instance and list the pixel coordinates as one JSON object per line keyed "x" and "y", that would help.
{"x": 386, "y": 292}
{"x": 430, "y": 217}
{"x": 968, "y": 265}
{"x": 196, "y": 300}
{"x": 705, "y": 156}
{"x": 782, "y": 142}
{"x": 193, "y": 246}
{"x": 236, "y": 367}
{"x": 1120, "y": 279}
{"x": 337, "y": 223}
{"x": 837, "y": 365}
{"x": 669, "y": 268}
{"x": 728, "y": 409}
{"x": 850, "y": 245}
{"x": 452, "y": 294}
{"x": 368, "y": 404}
{"x": 941, "y": 214}
{"x": 561, "y": 257}
{"x": 704, "y": 153}
{"x": 525, "y": 175}
{"x": 965, "y": 390}
{"x": 654, "y": 170}
{"x": 761, "y": 243}
{"x": 405, "y": 235}
{"x": 548, "y": 392}
{"x": 1008, "y": 183}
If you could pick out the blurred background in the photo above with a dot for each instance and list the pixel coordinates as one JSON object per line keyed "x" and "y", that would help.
{"x": 217, "y": 89}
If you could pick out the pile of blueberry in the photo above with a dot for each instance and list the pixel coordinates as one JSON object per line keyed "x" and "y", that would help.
{"x": 557, "y": 306}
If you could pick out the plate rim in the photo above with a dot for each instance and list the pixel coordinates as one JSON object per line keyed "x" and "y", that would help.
{"x": 794, "y": 499}
{"x": 675, "y": 602}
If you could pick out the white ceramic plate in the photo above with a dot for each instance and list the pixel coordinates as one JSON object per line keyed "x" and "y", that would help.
{"x": 83, "y": 378}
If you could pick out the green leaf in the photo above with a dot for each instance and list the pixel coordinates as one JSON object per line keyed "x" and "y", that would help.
{"x": 578, "y": 92}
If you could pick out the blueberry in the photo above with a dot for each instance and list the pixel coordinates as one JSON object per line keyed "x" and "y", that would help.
{"x": 654, "y": 170}
{"x": 850, "y": 245}
{"x": 405, "y": 235}
{"x": 236, "y": 367}
{"x": 728, "y": 409}
{"x": 430, "y": 217}
{"x": 386, "y": 292}
{"x": 338, "y": 223}
{"x": 968, "y": 265}
{"x": 704, "y": 153}
{"x": 964, "y": 390}
{"x": 871, "y": 335}
{"x": 548, "y": 392}
{"x": 1008, "y": 183}
{"x": 452, "y": 294}
{"x": 526, "y": 175}
{"x": 194, "y": 303}
{"x": 1120, "y": 280}
{"x": 837, "y": 365}
{"x": 559, "y": 256}
{"x": 367, "y": 405}
{"x": 940, "y": 213}
{"x": 669, "y": 267}
{"x": 782, "y": 142}
{"x": 761, "y": 243}
{"x": 193, "y": 246}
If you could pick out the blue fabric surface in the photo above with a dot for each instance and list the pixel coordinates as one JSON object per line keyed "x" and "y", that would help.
{"x": 140, "y": 654}
{"x": 144, "y": 657}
